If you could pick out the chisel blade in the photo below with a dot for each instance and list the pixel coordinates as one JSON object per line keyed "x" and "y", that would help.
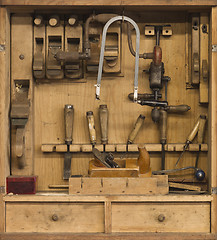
{"x": 67, "y": 165}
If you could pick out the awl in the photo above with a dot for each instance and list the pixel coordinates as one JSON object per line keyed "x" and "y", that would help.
{"x": 68, "y": 119}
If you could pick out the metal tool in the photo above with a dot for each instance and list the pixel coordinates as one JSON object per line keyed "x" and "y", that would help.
{"x": 101, "y": 60}
{"x": 68, "y": 118}
{"x": 136, "y": 128}
{"x": 199, "y": 173}
{"x": 103, "y": 117}
{"x": 107, "y": 159}
{"x": 199, "y": 128}
{"x": 91, "y": 127}
{"x": 163, "y": 135}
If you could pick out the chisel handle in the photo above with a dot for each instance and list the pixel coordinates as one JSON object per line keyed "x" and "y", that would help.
{"x": 103, "y": 117}
{"x": 136, "y": 128}
{"x": 163, "y": 126}
{"x": 178, "y": 108}
{"x": 69, "y": 118}
{"x": 201, "y": 129}
{"x": 193, "y": 133}
{"x": 91, "y": 127}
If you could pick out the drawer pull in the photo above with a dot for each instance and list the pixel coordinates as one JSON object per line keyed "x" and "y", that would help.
{"x": 55, "y": 217}
{"x": 161, "y": 218}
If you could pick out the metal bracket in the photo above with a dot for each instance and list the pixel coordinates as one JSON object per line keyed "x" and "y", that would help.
{"x": 214, "y": 190}
{"x": 214, "y": 48}
{"x": 2, "y": 189}
{"x": 2, "y": 48}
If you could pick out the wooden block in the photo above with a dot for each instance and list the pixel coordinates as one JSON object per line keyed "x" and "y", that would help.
{"x": 133, "y": 148}
{"x": 153, "y": 147}
{"x": 121, "y": 148}
{"x": 204, "y": 147}
{"x": 110, "y": 148}
{"x": 193, "y": 147}
{"x": 170, "y": 147}
{"x": 61, "y": 148}
{"x": 48, "y": 148}
{"x": 75, "y": 148}
{"x": 74, "y": 185}
{"x": 179, "y": 147}
{"x": 86, "y": 148}
{"x": 99, "y": 147}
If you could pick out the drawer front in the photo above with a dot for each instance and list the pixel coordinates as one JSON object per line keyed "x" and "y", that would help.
{"x": 164, "y": 217}
{"x": 54, "y": 217}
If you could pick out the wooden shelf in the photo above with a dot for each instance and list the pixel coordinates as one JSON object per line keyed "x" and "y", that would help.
{"x": 172, "y": 147}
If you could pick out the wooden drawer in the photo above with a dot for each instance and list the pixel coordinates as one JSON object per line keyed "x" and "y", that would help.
{"x": 53, "y": 217}
{"x": 164, "y": 217}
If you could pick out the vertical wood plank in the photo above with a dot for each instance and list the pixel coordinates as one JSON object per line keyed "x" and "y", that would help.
{"x": 108, "y": 217}
{"x": 4, "y": 106}
{"x": 213, "y": 118}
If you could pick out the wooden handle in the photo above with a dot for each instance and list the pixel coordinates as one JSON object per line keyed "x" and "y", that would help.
{"x": 91, "y": 127}
{"x": 178, "y": 108}
{"x": 143, "y": 160}
{"x": 136, "y": 128}
{"x": 103, "y": 117}
{"x": 163, "y": 126}
{"x": 68, "y": 117}
{"x": 194, "y": 131}
{"x": 201, "y": 129}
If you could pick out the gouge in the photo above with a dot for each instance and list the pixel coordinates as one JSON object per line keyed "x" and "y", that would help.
{"x": 198, "y": 129}
{"x": 91, "y": 127}
{"x": 68, "y": 118}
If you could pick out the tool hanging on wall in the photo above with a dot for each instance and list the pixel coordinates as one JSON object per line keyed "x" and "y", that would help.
{"x": 91, "y": 127}
{"x": 199, "y": 129}
{"x": 136, "y": 128}
{"x": 103, "y": 117}
{"x": 68, "y": 119}
{"x": 156, "y": 81}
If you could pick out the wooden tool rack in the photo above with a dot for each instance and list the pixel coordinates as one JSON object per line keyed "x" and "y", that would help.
{"x": 54, "y": 214}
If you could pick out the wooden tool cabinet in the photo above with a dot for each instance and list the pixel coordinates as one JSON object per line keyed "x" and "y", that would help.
{"x": 52, "y": 212}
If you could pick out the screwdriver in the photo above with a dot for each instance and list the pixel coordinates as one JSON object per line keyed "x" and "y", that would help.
{"x": 198, "y": 128}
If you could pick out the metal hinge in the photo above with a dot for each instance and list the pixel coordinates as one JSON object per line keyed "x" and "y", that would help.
{"x": 214, "y": 190}
{"x": 2, "y": 189}
{"x": 2, "y": 48}
{"x": 214, "y": 48}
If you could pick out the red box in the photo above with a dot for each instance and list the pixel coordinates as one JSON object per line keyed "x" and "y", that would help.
{"x": 21, "y": 184}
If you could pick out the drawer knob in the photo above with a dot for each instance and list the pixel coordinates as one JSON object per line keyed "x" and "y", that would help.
{"x": 161, "y": 218}
{"x": 55, "y": 217}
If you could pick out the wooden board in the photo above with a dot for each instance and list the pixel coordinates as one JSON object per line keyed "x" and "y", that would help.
{"x": 117, "y": 185}
{"x": 103, "y": 2}
{"x": 131, "y": 217}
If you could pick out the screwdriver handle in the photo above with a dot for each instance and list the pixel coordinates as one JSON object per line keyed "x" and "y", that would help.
{"x": 201, "y": 129}
{"x": 69, "y": 118}
{"x": 103, "y": 117}
{"x": 193, "y": 133}
{"x": 178, "y": 108}
{"x": 91, "y": 127}
{"x": 136, "y": 128}
{"x": 163, "y": 126}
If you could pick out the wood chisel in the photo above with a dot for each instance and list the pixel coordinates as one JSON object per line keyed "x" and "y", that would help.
{"x": 68, "y": 118}
{"x": 198, "y": 129}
